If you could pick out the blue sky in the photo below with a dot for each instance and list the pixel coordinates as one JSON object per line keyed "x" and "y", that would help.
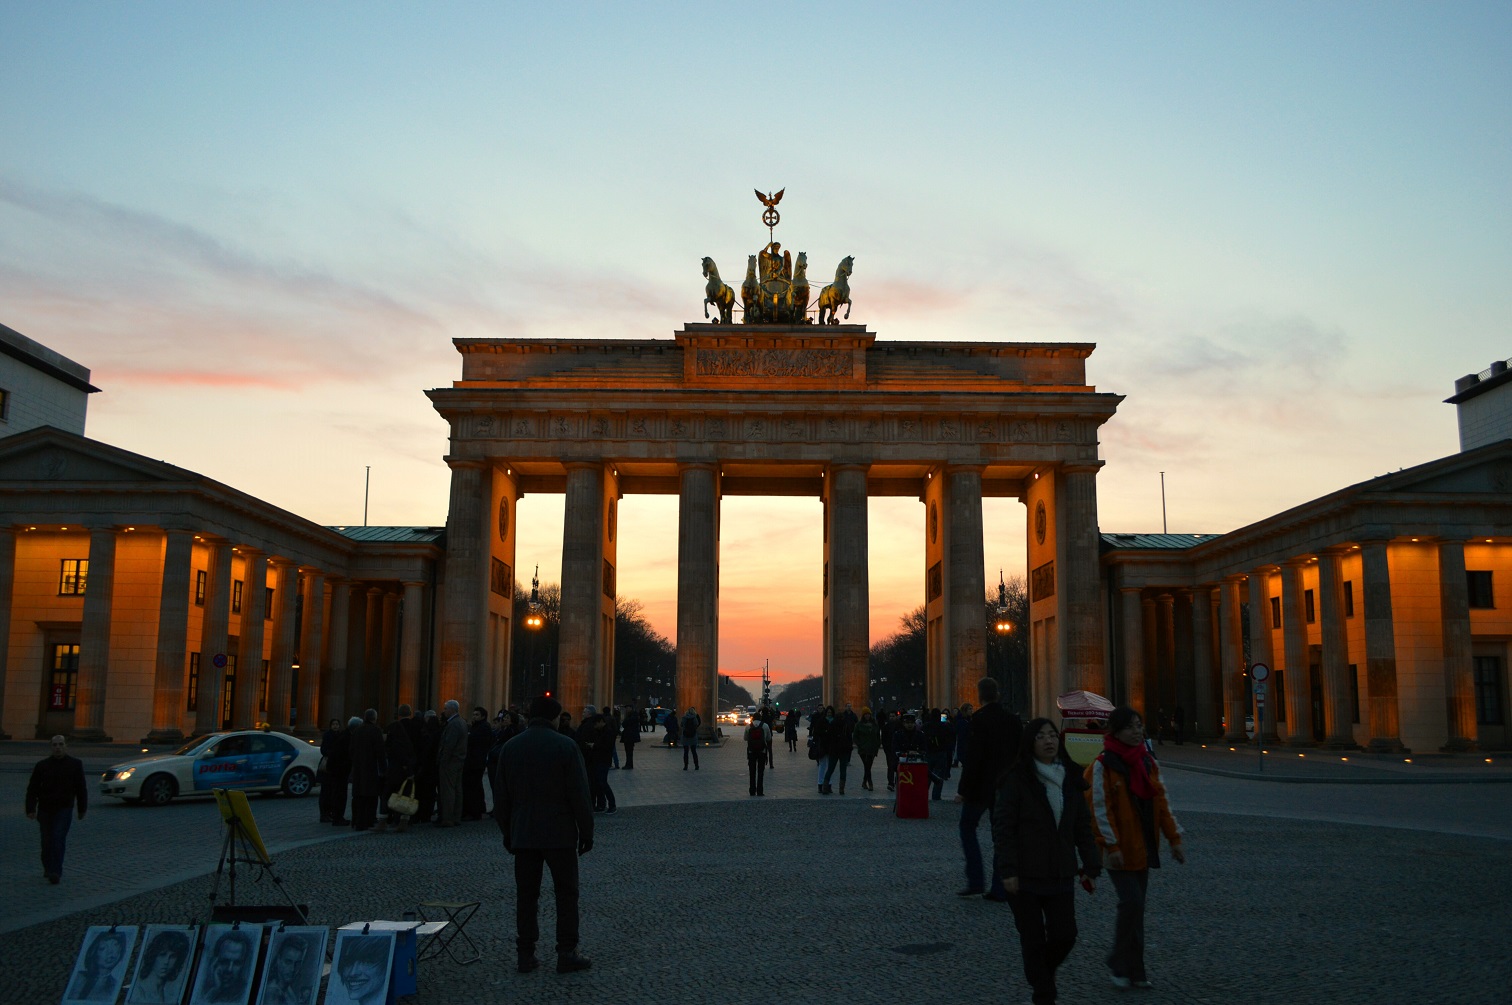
{"x": 1285, "y": 225}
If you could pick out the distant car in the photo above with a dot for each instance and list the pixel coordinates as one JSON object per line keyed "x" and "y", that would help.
{"x": 250, "y": 760}
{"x": 728, "y": 718}
{"x": 742, "y": 718}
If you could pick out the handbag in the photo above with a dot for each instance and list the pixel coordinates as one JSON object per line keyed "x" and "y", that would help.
{"x": 402, "y": 800}
{"x": 813, "y": 750}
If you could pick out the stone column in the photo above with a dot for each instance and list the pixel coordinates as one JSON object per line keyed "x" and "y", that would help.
{"x": 847, "y": 605}
{"x": 1132, "y": 608}
{"x": 1149, "y": 623}
{"x": 94, "y": 638}
{"x": 1231, "y": 632}
{"x": 369, "y": 671}
{"x": 698, "y": 589}
{"x": 334, "y": 700}
{"x": 388, "y": 657}
{"x": 246, "y": 710}
{"x": 214, "y": 638}
{"x": 966, "y": 581}
{"x": 1335, "y": 665}
{"x": 1203, "y": 720}
{"x": 1260, "y": 648}
{"x": 411, "y": 654}
{"x": 312, "y": 714}
{"x": 7, "y": 581}
{"x": 1299, "y": 732}
{"x": 1079, "y": 576}
{"x": 281, "y": 668}
{"x": 1459, "y": 665}
{"x": 1165, "y": 649}
{"x": 464, "y": 625}
{"x": 1380, "y": 650}
{"x": 172, "y": 638}
{"x": 579, "y": 646}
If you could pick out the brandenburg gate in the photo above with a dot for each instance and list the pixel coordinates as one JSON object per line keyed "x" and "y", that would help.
{"x": 775, "y": 406}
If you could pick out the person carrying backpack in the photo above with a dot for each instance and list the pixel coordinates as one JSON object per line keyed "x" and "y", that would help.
{"x": 690, "y": 724}
{"x": 758, "y": 737}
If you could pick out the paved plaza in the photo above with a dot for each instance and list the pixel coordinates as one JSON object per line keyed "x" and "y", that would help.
{"x": 1355, "y": 881}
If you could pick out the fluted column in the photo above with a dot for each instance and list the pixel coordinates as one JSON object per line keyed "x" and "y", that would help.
{"x": 1149, "y": 619}
{"x": 281, "y": 666}
{"x": 388, "y": 656}
{"x": 464, "y": 626}
{"x": 1261, "y": 648}
{"x": 411, "y": 654}
{"x": 1232, "y": 642}
{"x": 847, "y": 598}
{"x": 214, "y": 638}
{"x": 1299, "y": 729}
{"x": 369, "y": 670}
{"x": 1204, "y": 720}
{"x": 7, "y": 581}
{"x": 246, "y": 709}
{"x": 94, "y": 639}
{"x": 1459, "y": 666}
{"x": 1134, "y": 634}
{"x": 311, "y": 714}
{"x": 966, "y": 576}
{"x": 1165, "y": 650}
{"x": 1079, "y": 579}
{"x": 334, "y": 700}
{"x": 172, "y": 638}
{"x": 580, "y": 647}
{"x": 698, "y": 588}
{"x": 1337, "y": 711}
{"x": 1380, "y": 650}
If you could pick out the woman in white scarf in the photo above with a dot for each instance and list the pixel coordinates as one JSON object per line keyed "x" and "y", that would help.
{"x": 1040, "y": 825}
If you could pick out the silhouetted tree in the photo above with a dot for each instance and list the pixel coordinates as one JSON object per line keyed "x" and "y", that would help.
{"x": 1008, "y": 654}
{"x": 640, "y": 651}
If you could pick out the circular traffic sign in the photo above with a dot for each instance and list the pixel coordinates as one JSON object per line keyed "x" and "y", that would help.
{"x": 1260, "y": 672}
{"x": 219, "y": 659}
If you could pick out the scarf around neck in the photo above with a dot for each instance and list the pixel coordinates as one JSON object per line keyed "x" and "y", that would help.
{"x": 1135, "y": 756}
{"x": 1053, "y": 777}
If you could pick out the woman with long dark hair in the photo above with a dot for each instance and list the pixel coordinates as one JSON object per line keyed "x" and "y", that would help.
{"x": 1130, "y": 811}
{"x": 1040, "y": 825}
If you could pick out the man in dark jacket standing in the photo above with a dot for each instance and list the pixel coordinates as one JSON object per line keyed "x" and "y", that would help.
{"x": 479, "y": 739}
{"x": 367, "y": 769}
{"x": 451, "y": 755}
{"x": 991, "y": 745}
{"x": 542, "y": 807}
{"x": 595, "y": 739}
{"x": 400, "y": 757}
{"x": 336, "y": 749}
{"x": 57, "y": 784}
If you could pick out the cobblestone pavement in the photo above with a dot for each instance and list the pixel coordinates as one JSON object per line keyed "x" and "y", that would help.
{"x": 697, "y": 893}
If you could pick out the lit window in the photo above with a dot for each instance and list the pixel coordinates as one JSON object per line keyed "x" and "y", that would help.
{"x": 64, "y": 677}
{"x": 74, "y": 577}
{"x": 1488, "y": 688}
{"x": 236, "y": 595}
{"x": 199, "y": 587}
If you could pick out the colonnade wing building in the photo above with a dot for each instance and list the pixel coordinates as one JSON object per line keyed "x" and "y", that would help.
{"x": 141, "y": 601}
{"x": 823, "y": 411}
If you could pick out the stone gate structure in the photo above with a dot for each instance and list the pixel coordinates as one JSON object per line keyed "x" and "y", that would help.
{"x": 825, "y": 411}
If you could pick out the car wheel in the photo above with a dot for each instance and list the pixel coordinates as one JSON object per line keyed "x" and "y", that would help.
{"x": 298, "y": 782}
{"x": 157, "y": 790}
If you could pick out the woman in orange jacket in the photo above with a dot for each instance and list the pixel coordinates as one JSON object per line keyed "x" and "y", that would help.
{"x": 1129, "y": 813}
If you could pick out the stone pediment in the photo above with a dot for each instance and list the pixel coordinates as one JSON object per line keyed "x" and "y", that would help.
{"x": 1484, "y": 471}
{"x": 51, "y": 455}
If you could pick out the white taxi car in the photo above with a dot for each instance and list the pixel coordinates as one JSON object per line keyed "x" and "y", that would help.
{"x": 251, "y": 760}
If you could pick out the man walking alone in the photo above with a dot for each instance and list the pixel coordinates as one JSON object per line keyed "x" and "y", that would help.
{"x": 57, "y": 784}
{"x": 542, "y": 806}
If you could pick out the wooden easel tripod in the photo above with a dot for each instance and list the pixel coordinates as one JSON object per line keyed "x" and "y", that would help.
{"x": 244, "y": 844}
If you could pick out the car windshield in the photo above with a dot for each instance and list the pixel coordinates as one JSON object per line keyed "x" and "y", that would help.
{"x": 192, "y": 746}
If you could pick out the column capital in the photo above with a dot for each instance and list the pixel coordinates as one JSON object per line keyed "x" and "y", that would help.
{"x": 1127, "y": 590}
{"x": 1298, "y": 562}
{"x": 466, "y": 463}
{"x": 1165, "y": 599}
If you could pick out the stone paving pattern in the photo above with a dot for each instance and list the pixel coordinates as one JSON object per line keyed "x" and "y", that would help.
{"x": 696, "y": 893}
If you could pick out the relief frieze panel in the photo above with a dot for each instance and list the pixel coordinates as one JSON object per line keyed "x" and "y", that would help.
{"x": 800, "y": 363}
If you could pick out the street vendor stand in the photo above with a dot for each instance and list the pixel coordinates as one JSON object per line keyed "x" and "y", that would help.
{"x": 1084, "y": 720}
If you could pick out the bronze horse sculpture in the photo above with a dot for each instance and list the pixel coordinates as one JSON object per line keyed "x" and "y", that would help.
{"x": 717, "y": 293}
{"x": 798, "y": 296}
{"x": 837, "y": 293}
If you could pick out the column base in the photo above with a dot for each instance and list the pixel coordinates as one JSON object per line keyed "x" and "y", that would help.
{"x": 163, "y": 737}
{"x": 89, "y": 736}
{"x": 1459, "y": 745}
{"x": 1301, "y": 742}
{"x": 1386, "y": 745}
{"x": 1339, "y": 745}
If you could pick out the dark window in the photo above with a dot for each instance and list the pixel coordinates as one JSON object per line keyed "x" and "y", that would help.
{"x": 268, "y": 610}
{"x": 1488, "y": 688}
{"x": 4, "y": 405}
{"x": 73, "y": 577}
{"x": 1310, "y": 609}
{"x": 193, "y": 689}
{"x": 1275, "y": 612}
{"x": 236, "y": 594}
{"x": 262, "y": 703}
{"x": 1354, "y": 692}
{"x": 1480, "y": 590}
{"x": 63, "y": 679}
{"x": 232, "y": 746}
{"x": 265, "y": 744}
{"x": 199, "y": 587}
{"x": 1348, "y": 598}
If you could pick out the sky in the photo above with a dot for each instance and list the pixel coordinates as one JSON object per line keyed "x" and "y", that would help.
{"x": 1286, "y": 226}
